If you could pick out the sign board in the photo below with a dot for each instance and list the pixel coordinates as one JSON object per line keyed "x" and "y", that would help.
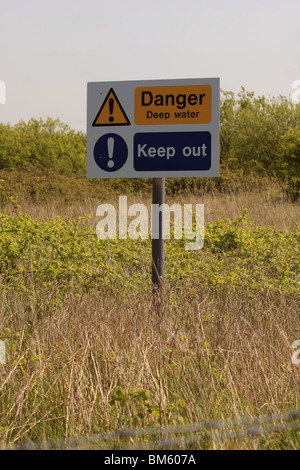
{"x": 157, "y": 128}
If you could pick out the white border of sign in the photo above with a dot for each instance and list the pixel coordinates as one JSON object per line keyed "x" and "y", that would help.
{"x": 125, "y": 91}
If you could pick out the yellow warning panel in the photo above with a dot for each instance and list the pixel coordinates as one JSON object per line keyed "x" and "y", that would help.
{"x": 186, "y": 104}
{"x": 111, "y": 112}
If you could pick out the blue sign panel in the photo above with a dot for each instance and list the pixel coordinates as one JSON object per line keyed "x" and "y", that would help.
{"x": 172, "y": 151}
{"x": 110, "y": 152}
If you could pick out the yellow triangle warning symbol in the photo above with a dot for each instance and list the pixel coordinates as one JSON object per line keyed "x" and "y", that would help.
{"x": 111, "y": 112}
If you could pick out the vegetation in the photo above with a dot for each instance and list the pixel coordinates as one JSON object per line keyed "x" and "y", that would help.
{"x": 87, "y": 348}
{"x": 42, "y": 145}
{"x": 259, "y": 137}
{"x": 88, "y": 352}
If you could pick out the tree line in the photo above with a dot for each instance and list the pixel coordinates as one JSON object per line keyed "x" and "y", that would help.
{"x": 258, "y": 135}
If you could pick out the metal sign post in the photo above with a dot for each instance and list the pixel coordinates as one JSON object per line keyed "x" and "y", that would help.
{"x": 158, "y": 197}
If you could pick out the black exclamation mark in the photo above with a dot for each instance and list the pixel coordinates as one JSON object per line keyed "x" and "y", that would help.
{"x": 111, "y": 109}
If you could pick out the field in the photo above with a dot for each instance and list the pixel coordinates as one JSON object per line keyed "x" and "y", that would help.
{"x": 88, "y": 350}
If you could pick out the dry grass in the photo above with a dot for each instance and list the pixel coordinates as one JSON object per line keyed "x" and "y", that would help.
{"x": 205, "y": 357}
{"x": 268, "y": 206}
{"x": 96, "y": 363}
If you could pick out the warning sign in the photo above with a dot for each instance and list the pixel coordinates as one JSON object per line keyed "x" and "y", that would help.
{"x": 111, "y": 112}
{"x": 190, "y": 104}
{"x": 167, "y": 128}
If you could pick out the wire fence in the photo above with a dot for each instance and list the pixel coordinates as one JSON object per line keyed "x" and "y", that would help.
{"x": 181, "y": 437}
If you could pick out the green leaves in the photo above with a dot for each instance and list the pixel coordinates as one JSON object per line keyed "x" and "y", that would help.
{"x": 237, "y": 254}
{"x": 45, "y": 145}
{"x": 64, "y": 253}
{"x": 252, "y": 129}
{"x": 258, "y": 136}
{"x": 291, "y": 161}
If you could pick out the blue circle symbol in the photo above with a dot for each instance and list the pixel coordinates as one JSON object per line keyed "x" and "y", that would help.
{"x": 110, "y": 152}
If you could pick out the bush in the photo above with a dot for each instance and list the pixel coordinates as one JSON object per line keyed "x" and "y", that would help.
{"x": 43, "y": 145}
{"x": 258, "y": 137}
{"x": 291, "y": 162}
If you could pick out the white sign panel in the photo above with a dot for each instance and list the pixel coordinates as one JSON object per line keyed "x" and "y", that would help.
{"x": 157, "y": 128}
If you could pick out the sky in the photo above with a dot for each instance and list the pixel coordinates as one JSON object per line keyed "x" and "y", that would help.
{"x": 50, "y": 50}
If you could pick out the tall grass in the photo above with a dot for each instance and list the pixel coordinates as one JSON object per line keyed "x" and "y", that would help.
{"x": 94, "y": 362}
{"x": 97, "y": 364}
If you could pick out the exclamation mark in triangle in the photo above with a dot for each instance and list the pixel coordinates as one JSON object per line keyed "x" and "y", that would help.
{"x": 111, "y": 109}
{"x": 111, "y": 112}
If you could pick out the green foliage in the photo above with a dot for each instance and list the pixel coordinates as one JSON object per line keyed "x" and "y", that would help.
{"x": 258, "y": 137}
{"x": 252, "y": 131}
{"x": 79, "y": 364}
{"x": 291, "y": 161}
{"x": 137, "y": 406}
{"x": 44, "y": 145}
{"x": 237, "y": 254}
{"x": 59, "y": 253}
{"x": 132, "y": 406}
